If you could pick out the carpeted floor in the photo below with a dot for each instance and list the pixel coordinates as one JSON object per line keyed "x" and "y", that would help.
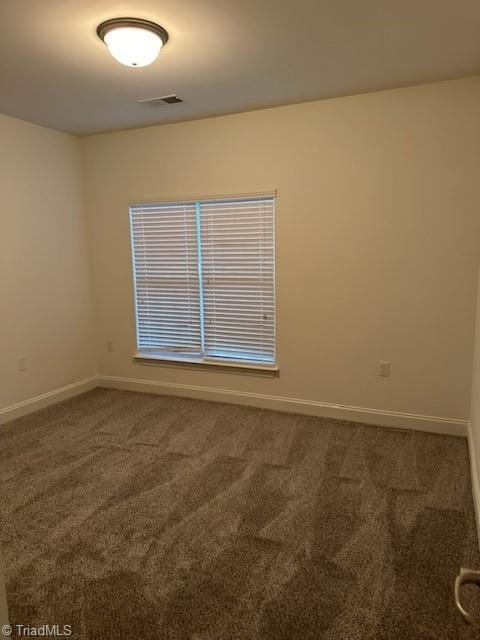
{"x": 131, "y": 516}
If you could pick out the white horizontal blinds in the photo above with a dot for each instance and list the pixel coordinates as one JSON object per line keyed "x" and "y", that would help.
{"x": 165, "y": 257}
{"x": 237, "y": 258}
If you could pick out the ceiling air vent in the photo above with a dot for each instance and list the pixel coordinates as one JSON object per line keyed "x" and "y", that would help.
{"x": 158, "y": 102}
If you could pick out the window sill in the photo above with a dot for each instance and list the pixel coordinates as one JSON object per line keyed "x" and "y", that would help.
{"x": 167, "y": 359}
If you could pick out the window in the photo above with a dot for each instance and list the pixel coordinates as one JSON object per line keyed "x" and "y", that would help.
{"x": 204, "y": 278}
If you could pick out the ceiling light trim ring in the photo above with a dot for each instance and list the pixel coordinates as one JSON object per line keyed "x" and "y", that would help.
{"x": 139, "y": 23}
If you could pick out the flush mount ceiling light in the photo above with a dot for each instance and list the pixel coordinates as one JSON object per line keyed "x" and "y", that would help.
{"x": 132, "y": 41}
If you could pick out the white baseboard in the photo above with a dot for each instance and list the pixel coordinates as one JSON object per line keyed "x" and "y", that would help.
{"x": 45, "y": 399}
{"x": 432, "y": 424}
{"x": 474, "y": 469}
{"x": 401, "y": 420}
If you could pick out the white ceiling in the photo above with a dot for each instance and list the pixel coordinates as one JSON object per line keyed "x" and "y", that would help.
{"x": 224, "y": 56}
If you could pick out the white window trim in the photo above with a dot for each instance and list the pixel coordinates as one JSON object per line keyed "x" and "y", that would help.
{"x": 181, "y": 358}
{"x": 158, "y": 357}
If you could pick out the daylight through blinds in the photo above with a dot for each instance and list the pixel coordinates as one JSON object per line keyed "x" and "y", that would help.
{"x": 204, "y": 275}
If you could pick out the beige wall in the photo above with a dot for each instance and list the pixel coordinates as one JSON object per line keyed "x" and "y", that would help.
{"x": 45, "y": 294}
{"x": 474, "y": 436}
{"x": 377, "y": 239}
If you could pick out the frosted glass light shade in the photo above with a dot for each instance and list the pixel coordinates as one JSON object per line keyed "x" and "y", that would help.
{"x": 133, "y": 46}
{"x": 134, "y": 42}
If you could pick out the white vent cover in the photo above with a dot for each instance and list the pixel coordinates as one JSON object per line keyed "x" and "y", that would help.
{"x": 160, "y": 102}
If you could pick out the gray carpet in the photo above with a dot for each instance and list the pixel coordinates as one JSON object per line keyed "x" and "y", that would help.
{"x": 131, "y": 516}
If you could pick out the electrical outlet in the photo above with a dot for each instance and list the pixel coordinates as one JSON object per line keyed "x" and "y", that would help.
{"x": 384, "y": 368}
{"x": 22, "y": 363}
{"x": 109, "y": 345}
